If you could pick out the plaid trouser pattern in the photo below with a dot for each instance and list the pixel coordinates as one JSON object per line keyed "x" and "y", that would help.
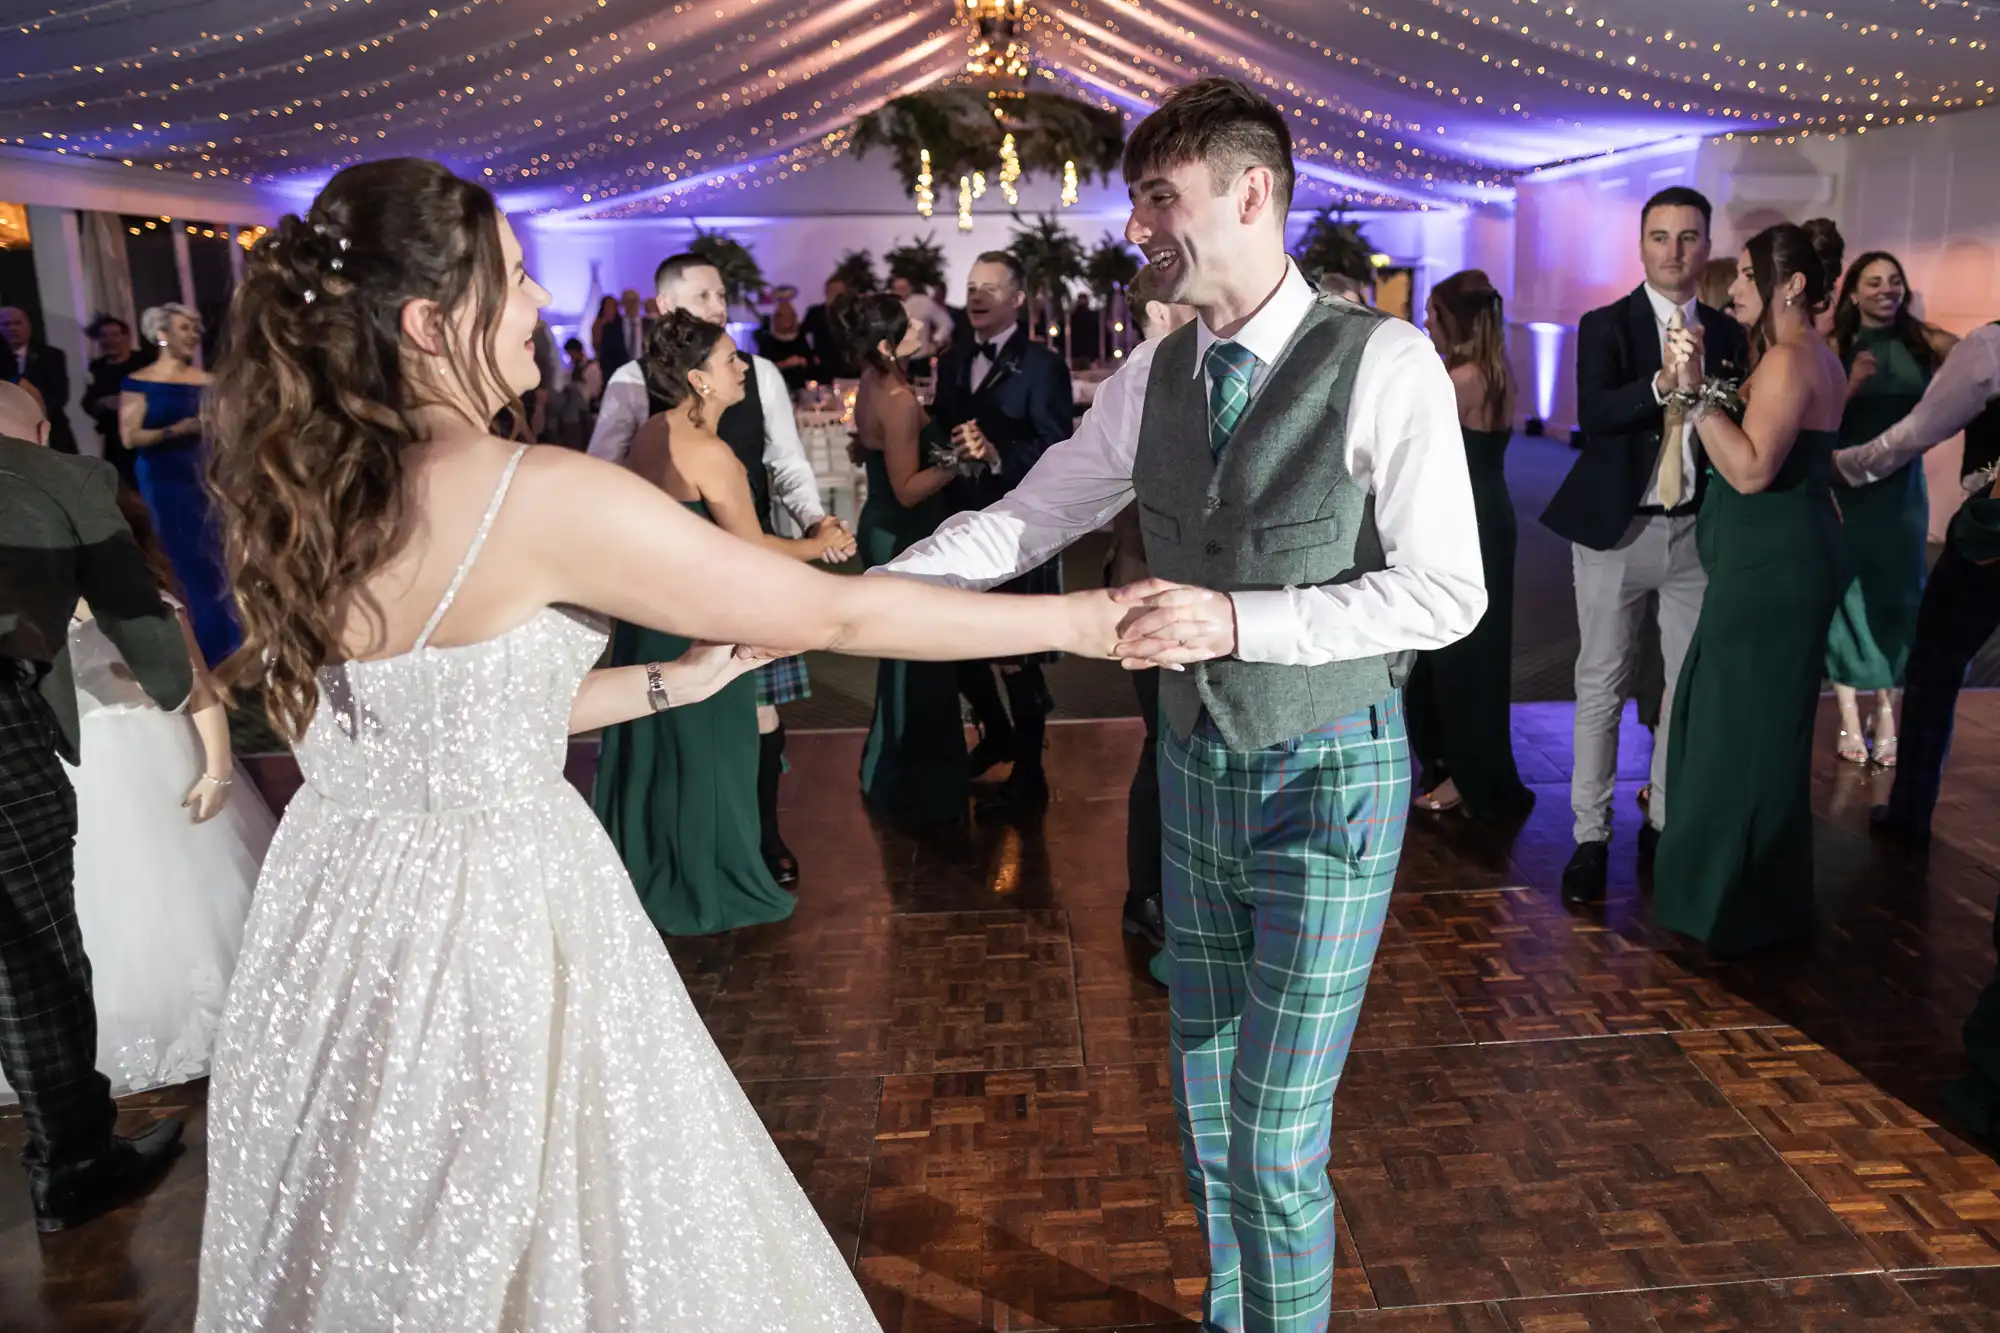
{"x": 1230, "y": 368}
{"x": 1278, "y": 865}
{"x": 783, "y": 681}
{"x": 48, "y": 1025}
{"x": 1960, "y": 611}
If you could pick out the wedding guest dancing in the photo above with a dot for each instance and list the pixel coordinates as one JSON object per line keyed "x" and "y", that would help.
{"x": 1736, "y": 861}
{"x": 458, "y": 1081}
{"x": 1460, "y": 697}
{"x": 678, "y": 791}
{"x": 1890, "y": 356}
{"x": 1961, "y": 604}
{"x": 1004, "y": 400}
{"x": 1302, "y": 484}
{"x": 765, "y": 438}
{"x": 159, "y": 418}
{"x": 159, "y": 804}
{"x": 62, "y": 539}
{"x": 913, "y": 765}
{"x": 1628, "y": 510}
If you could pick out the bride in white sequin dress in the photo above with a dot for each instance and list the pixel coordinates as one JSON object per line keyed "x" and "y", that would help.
{"x": 459, "y": 1084}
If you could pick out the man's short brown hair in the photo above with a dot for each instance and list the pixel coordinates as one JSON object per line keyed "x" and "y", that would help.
{"x": 1221, "y": 123}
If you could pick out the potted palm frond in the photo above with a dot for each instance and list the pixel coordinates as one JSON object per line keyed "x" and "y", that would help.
{"x": 1051, "y": 259}
{"x": 1333, "y": 247}
{"x": 921, "y": 261}
{"x": 741, "y": 277}
{"x": 857, "y": 269}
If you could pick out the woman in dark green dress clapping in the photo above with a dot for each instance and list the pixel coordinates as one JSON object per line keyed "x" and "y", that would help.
{"x": 913, "y": 769}
{"x": 1459, "y": 698}
{"x": 1885, "y": 523}
{"x": 1735, "y": 864}
{"x": 677, "y": 790}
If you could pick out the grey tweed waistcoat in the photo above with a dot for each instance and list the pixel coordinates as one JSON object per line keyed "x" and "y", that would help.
{"x": 1277, "y": 509}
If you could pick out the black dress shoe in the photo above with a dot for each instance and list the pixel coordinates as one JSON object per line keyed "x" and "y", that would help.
{"x": 1649, "y": 841}
{"x": 74, "y": 1192}
{"x": 1583, "y": 878}
{"x": 1147, "y": 922}
{"x": 1882, "y": 821}
{"x": 989, "y": 754}
{"x": 1024, "y": 794}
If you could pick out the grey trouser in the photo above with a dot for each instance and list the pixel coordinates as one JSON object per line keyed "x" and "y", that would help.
{"x": 1656, "y": 555}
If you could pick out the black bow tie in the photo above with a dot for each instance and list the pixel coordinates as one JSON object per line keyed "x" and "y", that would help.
{"x": 991, "y": 351}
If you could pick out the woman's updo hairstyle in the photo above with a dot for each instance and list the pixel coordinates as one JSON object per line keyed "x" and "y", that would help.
{"x": 1777, "y": 254}
{"x": 678, "y": 344}
{"x": 1830, "y": 246}
{"x": 314, "y": 401}
{"x": 863, "y": 322}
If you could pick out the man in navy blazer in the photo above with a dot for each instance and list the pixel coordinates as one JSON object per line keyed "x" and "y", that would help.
{"x": 1628, "y": 509}
{"x": 1004, "y": 400}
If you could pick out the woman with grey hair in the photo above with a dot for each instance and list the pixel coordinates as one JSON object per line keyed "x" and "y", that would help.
{"x": 159, "y": 417}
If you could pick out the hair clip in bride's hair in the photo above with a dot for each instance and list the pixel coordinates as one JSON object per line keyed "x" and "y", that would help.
{"x": 309, "y": 296}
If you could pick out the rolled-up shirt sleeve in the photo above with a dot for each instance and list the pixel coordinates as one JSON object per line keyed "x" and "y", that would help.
{"x": 1076, "y": 488}
{"x": 620, "y": 415}
{"x": 793, "y": 485}
{"x": 1404, "y": 446}
{"x": 1967, "y": 381}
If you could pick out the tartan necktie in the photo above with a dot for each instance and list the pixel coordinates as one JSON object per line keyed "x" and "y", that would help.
{"x": 1230, "y": 366}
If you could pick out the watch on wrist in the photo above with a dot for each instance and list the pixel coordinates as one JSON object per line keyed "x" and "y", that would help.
{"x": 656, "y": 689}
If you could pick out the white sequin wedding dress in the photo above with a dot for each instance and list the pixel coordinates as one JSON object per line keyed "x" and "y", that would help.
{"x": 459, "y": 1084}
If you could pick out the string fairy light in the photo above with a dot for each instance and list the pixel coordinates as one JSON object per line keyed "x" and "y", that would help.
{"x": 965, "y": 203}
{"x": 925, "y": 198}
{"x": 1069, "y": 190}
{"x": 627, "y": 106}
{"x": 1010, "y": 171}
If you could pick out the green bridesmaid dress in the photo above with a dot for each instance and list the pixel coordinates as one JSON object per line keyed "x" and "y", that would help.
{"x": 677, "y": 792}
{"x": 1459, "y": 699}
{"x": 913, "y": 769}
{"x": 1735, "y": 863}
{"x": 1884, "y": 529}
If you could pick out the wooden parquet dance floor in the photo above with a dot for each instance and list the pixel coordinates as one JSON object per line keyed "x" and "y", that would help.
{"x": 1551, "y": 1122}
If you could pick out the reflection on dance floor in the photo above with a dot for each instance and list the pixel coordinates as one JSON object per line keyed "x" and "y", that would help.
{"x": 1550, "y": 1122}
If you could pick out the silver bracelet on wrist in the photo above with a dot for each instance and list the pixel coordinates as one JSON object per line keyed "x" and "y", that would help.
{"x": 220, "y": 782}
{"x": 656, "y": 689}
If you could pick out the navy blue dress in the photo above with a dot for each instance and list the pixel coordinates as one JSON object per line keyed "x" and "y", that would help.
{"x": 171, "y": 481}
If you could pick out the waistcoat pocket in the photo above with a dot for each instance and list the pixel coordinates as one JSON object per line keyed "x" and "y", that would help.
{"x": 1293, "y": 536}
{"x": 1158, "y": 526}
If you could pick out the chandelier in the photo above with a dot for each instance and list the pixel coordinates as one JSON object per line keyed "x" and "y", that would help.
{"x": 997, "y": 49}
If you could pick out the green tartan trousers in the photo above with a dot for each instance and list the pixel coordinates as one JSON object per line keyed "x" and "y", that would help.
{"x": 1277, "y": 869}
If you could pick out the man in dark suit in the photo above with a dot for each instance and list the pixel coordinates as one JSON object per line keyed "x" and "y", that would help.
{"x": 624, "y": 337}
{"x": 61, "y": 538}
{"x": 1628, "y": 509}
{"x": 831, "y": 360}
{"x": 26, "y": 359}
{"x": 1003, "y": 400}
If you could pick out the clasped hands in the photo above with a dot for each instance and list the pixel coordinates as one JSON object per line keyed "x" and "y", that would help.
{"x": 1683, "y": 359}
{"x": 1151, "y": 623}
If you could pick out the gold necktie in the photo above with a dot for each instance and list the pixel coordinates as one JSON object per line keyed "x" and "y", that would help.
{"x": 1670, "y": 440}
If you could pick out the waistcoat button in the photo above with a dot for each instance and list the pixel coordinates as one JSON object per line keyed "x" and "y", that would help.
{"x": 1213, "y": 548}
{"x": 1213, "y": 504}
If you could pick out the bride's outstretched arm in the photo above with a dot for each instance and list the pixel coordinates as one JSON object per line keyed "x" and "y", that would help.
{"x": 611, "y": 695}
{"x": 606, "y": 540}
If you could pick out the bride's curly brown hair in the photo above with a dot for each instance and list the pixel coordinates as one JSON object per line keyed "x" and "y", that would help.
{"x": 313, "y": 403}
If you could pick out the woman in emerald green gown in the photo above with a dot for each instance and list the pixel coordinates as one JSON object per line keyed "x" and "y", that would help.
{"x": 1885, "y": 524}
{"x": 1735, "y": 863}
{"x": 913, "y": 769}
{"x": 1459, "y": 698}
{"x": 677, "y": 791}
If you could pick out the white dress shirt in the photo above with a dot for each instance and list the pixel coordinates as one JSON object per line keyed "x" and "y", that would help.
{"x": 982, "y": 364}
{"x": 793, "y": 485}
{"x": 1968, "y": 380}
{"x": 1404, "y": 447}
{"x": 1663, "y": 309}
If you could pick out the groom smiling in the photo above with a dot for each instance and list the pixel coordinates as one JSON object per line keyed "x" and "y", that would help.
{"x": 1302, "y": 490}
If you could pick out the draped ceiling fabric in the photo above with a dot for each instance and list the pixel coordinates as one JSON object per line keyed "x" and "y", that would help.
{"x": 621, "y": 108}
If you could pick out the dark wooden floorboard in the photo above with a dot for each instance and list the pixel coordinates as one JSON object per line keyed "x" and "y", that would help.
{"x": 1551, "y": 1121}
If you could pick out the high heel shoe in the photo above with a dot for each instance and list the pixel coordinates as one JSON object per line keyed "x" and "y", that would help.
{"x": 1851, "y": 747}
{"x": 1884, "y": 750}
{"x": 1441, "y": 798}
